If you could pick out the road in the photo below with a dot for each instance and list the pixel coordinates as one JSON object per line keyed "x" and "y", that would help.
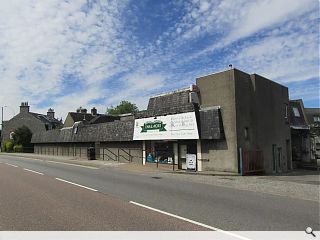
{"x": 119, "y": 200}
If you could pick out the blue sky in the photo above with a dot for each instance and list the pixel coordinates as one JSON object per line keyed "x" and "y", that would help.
{"x": 66, "y": 54}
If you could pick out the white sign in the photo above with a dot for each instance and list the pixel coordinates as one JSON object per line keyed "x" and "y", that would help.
{"x": 191, "y": 161}
{"x": 177, "y": 126}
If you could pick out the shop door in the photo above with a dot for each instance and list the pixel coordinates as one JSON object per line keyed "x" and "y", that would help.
{"x": 182, "y": 156}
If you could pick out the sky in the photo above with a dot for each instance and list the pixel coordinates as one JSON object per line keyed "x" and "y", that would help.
{"x": 72, "y": 53}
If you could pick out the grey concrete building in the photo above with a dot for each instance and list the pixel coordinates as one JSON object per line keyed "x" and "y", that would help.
{"x": 36, "y": 122}
{"x": 228, "y": 121}
{"x": 255, "y": 123}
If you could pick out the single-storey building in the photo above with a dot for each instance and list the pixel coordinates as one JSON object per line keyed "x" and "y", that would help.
{"x": 228, "y": 121}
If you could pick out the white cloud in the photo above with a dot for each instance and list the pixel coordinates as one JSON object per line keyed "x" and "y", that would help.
{"x": 258, "y": 15}
{"x": 288, "y": 58}
{"x": 43, "y": 40}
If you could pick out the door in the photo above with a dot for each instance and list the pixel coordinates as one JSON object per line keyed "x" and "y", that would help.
{"x": 279, "y": 160}
{"x": 274, "y": 158}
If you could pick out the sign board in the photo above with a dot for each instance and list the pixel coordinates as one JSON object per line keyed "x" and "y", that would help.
{"x": 176, "y": 126}
{"x": 191, "y": 161}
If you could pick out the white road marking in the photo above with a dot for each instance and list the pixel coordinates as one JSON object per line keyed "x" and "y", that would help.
{"x": 95, "y": 190}
{"x": 11, "y": 165}
{"x": 191, "y": 221}
{"x": 33, "y": 171}
{"x": 71, "y": 164}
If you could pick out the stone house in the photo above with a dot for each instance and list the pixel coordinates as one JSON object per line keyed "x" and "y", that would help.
{"x": 228, "y": 121}
{"x": 36, "y": 122}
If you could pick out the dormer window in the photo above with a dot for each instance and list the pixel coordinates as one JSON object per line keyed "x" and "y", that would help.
{"x": 296, "y": 112}
{"x": 76, "y": 127}
{"x": 316, "y": 118}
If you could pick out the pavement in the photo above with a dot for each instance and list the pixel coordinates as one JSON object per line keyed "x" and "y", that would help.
{"x": 198, "y": 198}
{"x": 301, "y": 184}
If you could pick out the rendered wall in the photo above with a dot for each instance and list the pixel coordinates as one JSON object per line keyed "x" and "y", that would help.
{"x": 218, "y": 90}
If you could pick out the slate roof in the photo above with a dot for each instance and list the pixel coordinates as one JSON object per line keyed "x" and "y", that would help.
{"x": 166, "y": 104}
{"x": 46, "y": 119}
{"x": 104, "y": 132}
{"x": 80, "y": 116}
{"x": 310, "y": 113}
{"x": 103, "y": 119}
{"x": 211, "y": 126}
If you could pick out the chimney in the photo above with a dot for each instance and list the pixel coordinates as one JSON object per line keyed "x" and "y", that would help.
{"x": 94, "y": 111}
{"x": 81, "y": 110}
{"x": 50, "y": 113}
{"x": 24, "y": 108}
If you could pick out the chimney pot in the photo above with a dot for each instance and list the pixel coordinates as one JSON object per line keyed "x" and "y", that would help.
{"x": 93, "y": 111}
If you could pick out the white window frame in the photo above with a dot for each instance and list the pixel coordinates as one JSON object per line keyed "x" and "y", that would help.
{"x": 296, "y": 112}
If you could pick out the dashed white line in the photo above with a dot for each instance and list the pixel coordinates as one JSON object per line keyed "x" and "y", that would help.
{"x": 191, "y": 221}
{"x": 33, "y": 171}
{"x": 95, "y": 190}
{"x": 11, "y": 165}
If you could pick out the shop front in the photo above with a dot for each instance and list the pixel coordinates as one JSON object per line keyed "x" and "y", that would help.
{"x": 170, "y": 139}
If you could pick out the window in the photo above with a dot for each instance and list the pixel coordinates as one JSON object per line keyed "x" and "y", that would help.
{"x": 316, "y": 118}
{"x": 296, "y": 112}
{"x": 246, "y": 133}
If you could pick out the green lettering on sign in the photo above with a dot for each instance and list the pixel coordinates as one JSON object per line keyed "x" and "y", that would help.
{"x": 156, "y": 125}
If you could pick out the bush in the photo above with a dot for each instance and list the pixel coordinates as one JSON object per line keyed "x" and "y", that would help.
{"x": 18, "y": 148}
{"x": 8, "y": 146}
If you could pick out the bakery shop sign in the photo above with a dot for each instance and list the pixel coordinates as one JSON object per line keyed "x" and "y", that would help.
{"x": 156, "y": 125}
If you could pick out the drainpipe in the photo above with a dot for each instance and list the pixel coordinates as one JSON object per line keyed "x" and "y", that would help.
{"x": 241, "y": 161}
{"x": 199, "y": 157}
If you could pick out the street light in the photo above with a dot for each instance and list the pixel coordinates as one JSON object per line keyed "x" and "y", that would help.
{"x": 2, "y": 125}
{"x": 2, "y": 116}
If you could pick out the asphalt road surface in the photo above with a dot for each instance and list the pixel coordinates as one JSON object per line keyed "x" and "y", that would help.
{"x": 46, "y": 198}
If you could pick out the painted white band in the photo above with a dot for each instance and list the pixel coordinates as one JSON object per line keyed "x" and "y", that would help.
{"x": 191, "y": 221}
{"x": 62, "y": 180}
{"x": 33, "y": 171}
{"x": 11, "y": 165}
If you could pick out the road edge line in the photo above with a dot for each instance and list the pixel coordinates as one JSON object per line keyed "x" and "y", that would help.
{"x": 72, "y": 164}
{"x": 190, "y": 221}
{"x": 62, "y": 180}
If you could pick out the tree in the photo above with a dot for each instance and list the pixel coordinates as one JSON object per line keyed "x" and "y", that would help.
{"x": 22, "y": 136}
{"x": 123, "y": 107}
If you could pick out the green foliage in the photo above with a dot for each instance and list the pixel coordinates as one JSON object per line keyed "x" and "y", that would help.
{"x": 123, "y": 107}
{"x": 8, "y": 146}
{"x": 22, "y": 136}
{"x": 18, "y": 148}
